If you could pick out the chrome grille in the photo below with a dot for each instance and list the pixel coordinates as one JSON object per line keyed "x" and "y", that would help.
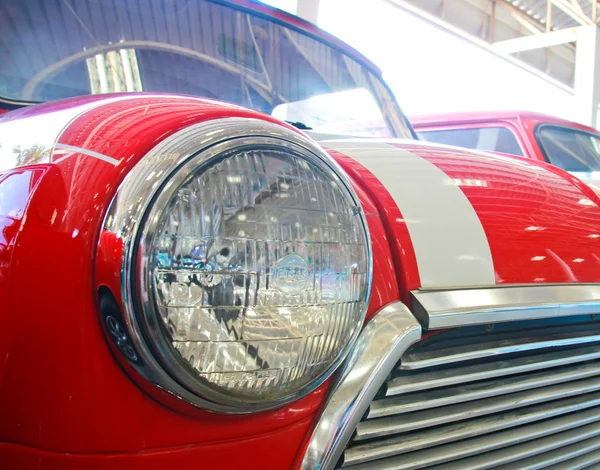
{"x": 524, "y": 395}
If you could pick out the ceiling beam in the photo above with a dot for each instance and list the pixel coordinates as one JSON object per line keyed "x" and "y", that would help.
{"x": 575, "y": 13}
{"x": 587, "y": 75}
{"x": 536, "y": 41}
{"x": 308, "y": 10}
{"x": 526, "y": 23}
{"x": 507, "y": 5}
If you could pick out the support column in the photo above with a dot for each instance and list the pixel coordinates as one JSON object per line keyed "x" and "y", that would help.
{"x": 587, "y": 75}
{"x": 308, "y": 10}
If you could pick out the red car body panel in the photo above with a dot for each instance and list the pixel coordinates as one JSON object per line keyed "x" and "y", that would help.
{"x": 540, "y": 221}
{"x": 239, "y": 453}
{"x": 521, "y": 123}
{"x": 53, "y": 341}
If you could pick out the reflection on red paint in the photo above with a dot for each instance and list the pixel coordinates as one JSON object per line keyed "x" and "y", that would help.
{"x": 15, "y": 190}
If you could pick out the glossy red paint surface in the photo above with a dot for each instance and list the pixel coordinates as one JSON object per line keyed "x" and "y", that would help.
{"x": 53, "y": 340}
{"x": 274, "y": 450}
{"x": 89, "y": 406}
{"x": 16, "y": 188}
{"x": 522, "y": 124}
{"x": 542, "y": 225}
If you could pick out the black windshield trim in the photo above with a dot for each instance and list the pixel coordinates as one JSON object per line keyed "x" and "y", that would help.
{"x": 10, "y": 105}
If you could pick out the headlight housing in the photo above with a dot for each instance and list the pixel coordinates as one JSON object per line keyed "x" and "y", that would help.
{"x": 246, "y": 264}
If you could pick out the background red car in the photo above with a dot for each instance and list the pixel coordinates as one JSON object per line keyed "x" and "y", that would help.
{"x": 569, "y": 145}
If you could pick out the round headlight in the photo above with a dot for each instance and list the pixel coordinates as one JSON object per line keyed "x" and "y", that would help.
{"x": 248, "y": 270}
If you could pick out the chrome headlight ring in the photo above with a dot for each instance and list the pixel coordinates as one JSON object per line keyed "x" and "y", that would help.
{"x": 135, "y": 216}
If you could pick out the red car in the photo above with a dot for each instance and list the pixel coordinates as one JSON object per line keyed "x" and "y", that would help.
{"x": 569, "y": 145}
{"x": 189, "y": 280}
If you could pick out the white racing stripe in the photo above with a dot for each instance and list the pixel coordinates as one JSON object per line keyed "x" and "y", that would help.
{"x": 72, "y": 149}
{"x": 16, "y": 133}
{"x": 450, "y": 244}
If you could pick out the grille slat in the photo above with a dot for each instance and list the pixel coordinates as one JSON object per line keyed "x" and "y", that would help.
{"x": 520, "y": 397}
{"x": 492, "y": 450}
{"x": 424, "y": 380}
{"x": 535, "y": 454}
{"x": 434, "y": 417}
{"x": 480, "y": 390}
{"x": 454, "y": 432}
{"x": 452, "y": 355}
{"x": 585, "y": 461}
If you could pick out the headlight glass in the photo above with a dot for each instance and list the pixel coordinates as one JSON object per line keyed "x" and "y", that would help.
{"x": 254, "y": 274}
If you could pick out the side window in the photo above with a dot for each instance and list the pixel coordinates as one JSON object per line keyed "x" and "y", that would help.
{"x": 493, "y": 139}
{"x": 570, "y": 149}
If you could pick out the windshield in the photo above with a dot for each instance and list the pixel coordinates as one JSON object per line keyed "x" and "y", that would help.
{"x": 62, "y": 48}
{"x": 570, "y": 149}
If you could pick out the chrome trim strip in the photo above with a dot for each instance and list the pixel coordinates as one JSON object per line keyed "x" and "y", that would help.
{"x": 378, "y": 348}
{"x": 480, "y": 305}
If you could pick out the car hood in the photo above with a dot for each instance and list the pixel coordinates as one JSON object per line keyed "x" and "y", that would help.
{"x": 452, "y": 217}
{"x": 473, "y": 219}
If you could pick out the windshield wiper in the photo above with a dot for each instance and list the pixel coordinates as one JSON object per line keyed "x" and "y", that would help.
{"x": 300, "y": 125}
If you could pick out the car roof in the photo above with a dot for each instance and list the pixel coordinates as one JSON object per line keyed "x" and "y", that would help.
{"x": 492, "y": 115}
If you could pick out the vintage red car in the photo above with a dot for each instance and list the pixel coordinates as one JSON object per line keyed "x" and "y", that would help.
{"x": 189, "y": 279}
{"x": 569, "y": 145}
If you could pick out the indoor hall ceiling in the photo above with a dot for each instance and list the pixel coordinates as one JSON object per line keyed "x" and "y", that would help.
{"x": 565, "y": 13}
{"x": 497, "y": 20}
